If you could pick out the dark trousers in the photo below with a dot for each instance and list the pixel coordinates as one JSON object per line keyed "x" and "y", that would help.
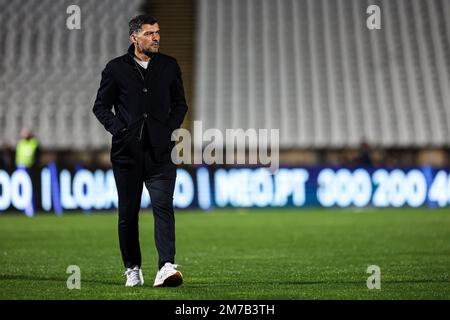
{"x": 158, "y": 173}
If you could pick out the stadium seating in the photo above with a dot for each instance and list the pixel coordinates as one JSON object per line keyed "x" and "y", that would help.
{"x": 313, "y": 69}
{"x": 50, "y": 74}
{"x": 308, "y": 67}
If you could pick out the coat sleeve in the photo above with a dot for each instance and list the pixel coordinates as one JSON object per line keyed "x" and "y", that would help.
{"x": 106, "y": 97}
{"x": 178, "y": 105}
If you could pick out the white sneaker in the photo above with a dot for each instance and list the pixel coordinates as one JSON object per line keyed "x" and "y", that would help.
{"x": 168, "y": 276}
{"x": 134, "y": 277}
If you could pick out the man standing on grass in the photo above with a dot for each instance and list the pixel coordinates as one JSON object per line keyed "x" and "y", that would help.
{"x": 146, "y": 90}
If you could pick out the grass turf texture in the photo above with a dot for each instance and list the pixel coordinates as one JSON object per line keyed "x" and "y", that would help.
{"x": 252, "y": 254}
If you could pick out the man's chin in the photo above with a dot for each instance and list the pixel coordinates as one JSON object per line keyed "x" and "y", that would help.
{"x": 149, "y": 53}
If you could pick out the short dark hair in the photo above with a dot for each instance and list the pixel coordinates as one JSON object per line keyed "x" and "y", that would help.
{"x": 136, "y": 22}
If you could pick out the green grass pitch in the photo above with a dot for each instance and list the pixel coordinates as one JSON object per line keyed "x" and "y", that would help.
{"x": 235, "y": 254}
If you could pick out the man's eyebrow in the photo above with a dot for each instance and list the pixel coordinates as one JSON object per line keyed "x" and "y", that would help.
{"x": 151, "y": 31}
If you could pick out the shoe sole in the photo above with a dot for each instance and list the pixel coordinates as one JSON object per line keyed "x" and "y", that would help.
{"x": 136, "y": 285}
{"x": 174, "y": 280}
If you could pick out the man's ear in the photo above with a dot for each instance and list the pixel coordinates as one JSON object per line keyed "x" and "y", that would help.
{"x": 133, "y": 38}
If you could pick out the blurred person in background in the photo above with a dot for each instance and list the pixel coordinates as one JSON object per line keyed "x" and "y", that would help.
{"x": 146, "y": 90}
{"x": 27, "y": 155}
{"x": 364, "y": 157}
{"x": 27, "y": 150}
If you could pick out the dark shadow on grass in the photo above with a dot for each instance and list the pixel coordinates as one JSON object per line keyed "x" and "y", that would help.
{"x": 57, "y": 279}
{"x": 300, "y": 283}
{"x": 221, "y": 284}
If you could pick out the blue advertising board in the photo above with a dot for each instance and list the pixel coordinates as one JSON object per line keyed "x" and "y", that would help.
{"x": 241, "y": 187}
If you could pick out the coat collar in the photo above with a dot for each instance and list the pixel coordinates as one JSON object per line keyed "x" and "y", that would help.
{"x": 153, "y": 65}
{"x": 130, "y": 51}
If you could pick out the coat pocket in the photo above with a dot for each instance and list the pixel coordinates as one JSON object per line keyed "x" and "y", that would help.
{"x": 120, "y": 151}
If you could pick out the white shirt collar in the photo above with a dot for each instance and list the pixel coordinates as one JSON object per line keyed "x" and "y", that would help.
{"x": 143, "y": 64}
